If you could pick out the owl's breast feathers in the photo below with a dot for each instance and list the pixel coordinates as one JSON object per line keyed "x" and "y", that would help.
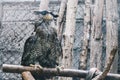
{"x": 43, "y": 48}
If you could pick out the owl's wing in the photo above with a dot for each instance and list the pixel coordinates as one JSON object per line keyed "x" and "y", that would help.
{"x": 59, "y": 48}
{"x": 58, "y": 54}
{"x": 29, "y": 45}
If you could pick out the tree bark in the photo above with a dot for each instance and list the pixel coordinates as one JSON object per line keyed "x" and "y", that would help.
{"x": 60, "y": 20}
{"x": 108, "y": 65}
{"x": 68, "y": 36}
{"x": 112, "y": 31}
{"x": 86, "y": 37}
{"x": 96, "y": 34}
{"x": 53, "y": 71}
{"x": 27, "y": 76}
{"x": 1, "y": 12}
{"x": 44, "y": 5}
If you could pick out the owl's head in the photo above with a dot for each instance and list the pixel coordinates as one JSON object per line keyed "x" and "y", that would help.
{"x": 46, "y": 15}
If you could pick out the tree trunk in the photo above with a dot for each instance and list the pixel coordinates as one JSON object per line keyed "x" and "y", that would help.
{"x": 68, "y": 35}
{"x": 60, "y": 20}
{"x": 86, "y": 37}
{"x": 112, "y": 31}
{"x": 60, "y": 23}
{"x": 44, "y": 5}
{"x": 96, "y": 34}
{"x": 0, "y": 14}
{"x": 108, "y": 65}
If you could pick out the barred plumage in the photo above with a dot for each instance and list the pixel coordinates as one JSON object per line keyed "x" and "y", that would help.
{"x": 43, "y": 48}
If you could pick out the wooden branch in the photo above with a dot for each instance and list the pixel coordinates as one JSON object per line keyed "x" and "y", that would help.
{"x": 112, "y": 25}
{"x": 53, "y": 71}
{"x": 96, "y": 34}
{"x": 86, "y": 37}
{"x": 44, "y": 5}
{"x": 68, "y": 35}
{"x": 46, "y": 71}
{"x": 108, "y": 66}
{"x": 27, "y": 75}
{"x": 61, "y": 18}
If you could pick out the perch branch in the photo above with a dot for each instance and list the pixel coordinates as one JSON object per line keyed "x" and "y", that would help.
{"x": 27, "y": 75}
{"x": 53, "y": 71}
{"x": 108, "y": 66}
{"x": 46, "y": 71}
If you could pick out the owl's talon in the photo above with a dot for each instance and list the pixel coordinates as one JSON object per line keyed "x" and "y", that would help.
{"x": 59, "y": 68}
{"x": 37, "y": 66}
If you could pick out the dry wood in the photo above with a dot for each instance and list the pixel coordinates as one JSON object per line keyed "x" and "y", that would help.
{"x": 108, "y": 65}
{"x": 1, "y": 12}
{"x": 111, "y": 40}
{"x": 96, "y": 34}
{"x": 53, "y": 71}
{"x": 44, "y": 5}
{"x": 86, "y": 37}
{"x": 60, "y": 20}
{"x": 112, "y": 31}
{"x": 68, "y": 35}
{"x": 46, "y": 71}
{"x": 27, "y": 75}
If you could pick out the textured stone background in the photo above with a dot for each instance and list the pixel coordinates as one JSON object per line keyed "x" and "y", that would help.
{"x": 16, "y": 27}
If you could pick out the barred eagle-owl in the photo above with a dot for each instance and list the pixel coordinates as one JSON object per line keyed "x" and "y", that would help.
{"x": 43, "y": 48}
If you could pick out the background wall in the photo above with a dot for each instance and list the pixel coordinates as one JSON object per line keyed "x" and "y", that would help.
{"x": 16, "y": 27}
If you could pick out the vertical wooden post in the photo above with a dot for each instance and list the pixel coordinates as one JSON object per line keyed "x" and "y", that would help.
{"x": 44, "y": 5}
{"x": 68, "y": 35}
{"x": 86, "y": 37}
{"x": 1, "y": 11}
{"x": 96, "y": 34}
{"x": 61, "y": 18}
{"x": 112, "y": 31}
{"x": 60, "y": 23}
